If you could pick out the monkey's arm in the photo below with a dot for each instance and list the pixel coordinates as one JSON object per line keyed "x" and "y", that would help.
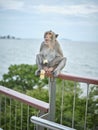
{"x": 58, "y": 49}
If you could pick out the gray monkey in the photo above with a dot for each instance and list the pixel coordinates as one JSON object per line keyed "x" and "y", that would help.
{"x": 50, "y": 57}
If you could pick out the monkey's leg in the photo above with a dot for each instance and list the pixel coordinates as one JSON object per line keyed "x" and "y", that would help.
{"x": 39, "y": 64}
{"x": 59, "y": 67}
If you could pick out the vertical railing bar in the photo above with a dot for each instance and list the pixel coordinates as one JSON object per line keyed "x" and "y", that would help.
{"x": 21, "y": 114}
{"x": 15, "y": 114}
{"x": 74, "y": 100}
{"x": 0, "y": 108}
{"x": 52, "y": 98}
{"x": 36, "y": 126}
{"x": 5, "y": 113}
{"x": 62, "y": 101}
{"x": 28, "y": 118}
{"x": 10, "y": 114}
{"x": 86, "y": 107}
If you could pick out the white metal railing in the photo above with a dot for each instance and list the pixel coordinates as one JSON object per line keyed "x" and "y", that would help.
{"x": 75, "y": 79}
{"x": 7, "y": 96}
{"x": 12, "y": 105}
{"x": 49, "y": 124}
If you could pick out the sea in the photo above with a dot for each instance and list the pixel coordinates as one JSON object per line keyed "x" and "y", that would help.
{"x": 82, "y": 57}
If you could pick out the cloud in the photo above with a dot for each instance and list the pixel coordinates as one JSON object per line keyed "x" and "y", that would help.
{"x": 11, "y": 4}
{"x": 70, "y": 9}
{"x": 83, "y": 9}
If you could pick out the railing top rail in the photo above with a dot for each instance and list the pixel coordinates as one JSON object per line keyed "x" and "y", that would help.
{"x": 76, "y": 78}
{"x": 41, "y": 105}
{"x": 49, "y": 124}
{"x": 79, "y": 79}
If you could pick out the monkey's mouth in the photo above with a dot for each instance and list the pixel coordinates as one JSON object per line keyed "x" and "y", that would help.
{"x": 47, "y": 40}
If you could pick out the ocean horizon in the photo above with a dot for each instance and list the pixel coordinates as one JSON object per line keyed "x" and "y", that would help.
{"x": 82, "y": 57}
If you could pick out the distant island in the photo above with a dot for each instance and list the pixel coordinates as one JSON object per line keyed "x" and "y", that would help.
{"x": 8, "y": 37}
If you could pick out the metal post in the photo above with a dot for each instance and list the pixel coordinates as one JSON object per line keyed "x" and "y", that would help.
{"x": 28, "y": 117}
{"x": 38, "y": 127}
{"x": 21, "y": 114}
{"x": 5, "y": 113}
{"x": 62, "y": 102}
{"x": 15, "y": 114}
{"x": 52, "y": 98}
{"x": 74, "y": 100}
{"x": 87, "y": 98}
{"x": 0, "y": 108}
{"x": 10, "y": 114}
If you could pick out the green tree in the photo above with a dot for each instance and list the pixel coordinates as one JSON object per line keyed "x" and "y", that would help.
{"x": 22, "y": 77}
{"x": 93, "y": 107}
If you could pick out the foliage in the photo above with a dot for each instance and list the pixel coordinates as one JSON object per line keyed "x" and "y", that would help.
{"x": 22, "y": 78}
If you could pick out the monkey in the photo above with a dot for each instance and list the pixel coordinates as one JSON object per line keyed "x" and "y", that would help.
{"x": 50, "y": 57}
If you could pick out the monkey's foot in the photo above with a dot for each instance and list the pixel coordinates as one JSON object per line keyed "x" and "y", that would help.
{"x": 56, "y": 73}
{"x": 37, "y": 72}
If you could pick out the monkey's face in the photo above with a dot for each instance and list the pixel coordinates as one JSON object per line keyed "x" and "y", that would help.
{"x": 48, "y": 38}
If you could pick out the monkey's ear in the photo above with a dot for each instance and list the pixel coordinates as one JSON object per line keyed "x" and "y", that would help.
{"x": 56, "y": 35}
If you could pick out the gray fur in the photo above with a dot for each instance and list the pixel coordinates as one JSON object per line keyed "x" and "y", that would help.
{"x": 53, "y": 55}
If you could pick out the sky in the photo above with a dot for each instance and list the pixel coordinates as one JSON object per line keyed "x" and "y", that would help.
{"x": 76, "y": 20}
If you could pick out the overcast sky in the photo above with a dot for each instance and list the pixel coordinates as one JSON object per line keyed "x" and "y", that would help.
{"x": 71, "y": 19}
